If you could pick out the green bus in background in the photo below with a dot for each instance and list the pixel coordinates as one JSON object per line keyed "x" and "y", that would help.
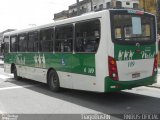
{"x": 103, "y": 51}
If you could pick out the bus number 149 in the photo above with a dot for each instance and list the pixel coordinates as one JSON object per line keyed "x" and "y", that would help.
{"x": 89, "y": 70}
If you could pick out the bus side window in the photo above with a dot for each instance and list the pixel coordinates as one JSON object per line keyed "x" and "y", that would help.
{"x": 22, "y": 42}
{"x": 64, "y": 38}
{"x": 33, "y": 42}
{"x": 46, "y": 39}
{"x": 14, "y": 43}
{"x": 87, "y": 36}
{"x": 5, "y": 45}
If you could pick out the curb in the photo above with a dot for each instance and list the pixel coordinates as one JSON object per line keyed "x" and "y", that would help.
{"x": 154, "y": 86}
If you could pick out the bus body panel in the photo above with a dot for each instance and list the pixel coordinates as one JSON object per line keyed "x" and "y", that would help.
{"x": 136, "y": 69}
{"x": 37, "y": 74}
{"x": 105, "y": 48}
{"x": 112, "y": 85}
{"x": 134, "y": 60}
{"x": 7, "y": 68}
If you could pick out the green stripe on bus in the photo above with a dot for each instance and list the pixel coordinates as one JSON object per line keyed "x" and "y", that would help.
{"x": 67, "y": 62}
{"x": 133, "y": 52}
{"x": 111, "y": 85}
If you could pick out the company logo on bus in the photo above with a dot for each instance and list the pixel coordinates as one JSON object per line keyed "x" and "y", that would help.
{"x": 138, "y": 44}
{"x": 138, "y": 12}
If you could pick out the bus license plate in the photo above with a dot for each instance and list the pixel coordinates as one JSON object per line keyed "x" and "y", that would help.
{"x": 135, "y": 75}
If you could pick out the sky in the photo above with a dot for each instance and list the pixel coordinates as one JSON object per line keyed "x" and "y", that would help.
{"x": 21, "y": 14}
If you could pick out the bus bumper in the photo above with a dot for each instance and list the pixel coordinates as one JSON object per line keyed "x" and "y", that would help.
{"x": 112, "y": 86}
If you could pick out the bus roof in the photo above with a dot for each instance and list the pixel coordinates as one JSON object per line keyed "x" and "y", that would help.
{"x": 90, "y": 15}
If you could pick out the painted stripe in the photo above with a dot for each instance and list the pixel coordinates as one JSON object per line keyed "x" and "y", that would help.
{"x": 15, "y": 87}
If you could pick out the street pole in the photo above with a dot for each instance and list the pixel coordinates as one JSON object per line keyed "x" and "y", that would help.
{"x": 144, "y": 5}
{"x": 158, "y": 16}
{"x": 91, "y": 5}
{"x": 77, "y": 7}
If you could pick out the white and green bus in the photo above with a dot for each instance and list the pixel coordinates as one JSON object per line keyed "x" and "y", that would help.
{"x": 103, "y": 51}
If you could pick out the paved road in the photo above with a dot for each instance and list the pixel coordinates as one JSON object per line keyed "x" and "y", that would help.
{"x": 29, "y": 97}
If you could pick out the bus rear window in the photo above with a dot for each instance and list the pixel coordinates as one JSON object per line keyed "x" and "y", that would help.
{"x": 133, "y": 28}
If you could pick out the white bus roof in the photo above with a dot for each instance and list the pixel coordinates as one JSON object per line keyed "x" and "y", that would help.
{"x": 90, "y": 15}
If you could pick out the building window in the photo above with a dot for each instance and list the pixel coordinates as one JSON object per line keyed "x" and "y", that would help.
{"x": 127, "y": 3}
{"x": 33, "y": 42}
{"x": 118, "y": 4}
{"x": 101, "y": 7}
{"x": 135, "y": 5}
{"x": 46, "y": 38}
{"x": 64, "y": 38}
{"x": 95, "y": 7}
{"x": 87, "y": 36}
{"x": 22, "y": 42}
{"x": 14, "y": 43}
{"x": 108, "y": 5}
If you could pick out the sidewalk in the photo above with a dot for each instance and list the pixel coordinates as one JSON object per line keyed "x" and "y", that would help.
{"x": 157, "y": 85}
{"x": 1, "y": 62}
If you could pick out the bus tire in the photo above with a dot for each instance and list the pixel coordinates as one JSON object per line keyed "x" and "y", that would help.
{"x": 53, "y": 81}
{"x": 16, "y": 77}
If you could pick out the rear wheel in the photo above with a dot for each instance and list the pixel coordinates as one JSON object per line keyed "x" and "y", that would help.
{"x": 53, "y": 81}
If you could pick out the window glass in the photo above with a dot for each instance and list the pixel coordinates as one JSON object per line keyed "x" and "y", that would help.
{"x": 6, "y": 39}
{"x": 118, "y": 33}
{"x": 127, "y": 3}
{"x": 133, "y": 28}
{"x": 46, "y": 38}
{"x": 33, "y": 43}
{"x": 108, "y": 4}
{"x": 6, "y": 47}
{"x": 100, "y": 6}
{"x": 87, "y": 36}
{"x": 136, "y": 25}
{"x": 118, "y": 4}
{"x": 135, "y": 5}
{"x": 64, "y": 38}
{"x": 22, "y": 42}
{"x": 14, "y": 44}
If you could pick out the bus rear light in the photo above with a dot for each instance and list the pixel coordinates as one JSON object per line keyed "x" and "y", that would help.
{"x": 112, "y": 67}
{"x": 155, "y": 66}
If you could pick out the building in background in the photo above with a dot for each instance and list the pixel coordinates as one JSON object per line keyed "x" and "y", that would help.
{"x": 158, "y": 15}
{"x": 107, "y": 4}
{"x": 86, "y": 6}
{"x": 149, "y": 5}
{"x": 61, "y": 15}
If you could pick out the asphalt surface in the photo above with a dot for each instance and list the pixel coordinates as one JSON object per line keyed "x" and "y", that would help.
{"x": 33, "y": 100}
